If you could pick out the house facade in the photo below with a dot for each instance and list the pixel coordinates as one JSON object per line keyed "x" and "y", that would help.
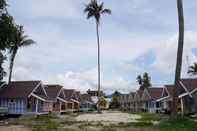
{"x": 86, "y": 102}
{"x": 73, "y": 100}
{"x": 56, "y": 94}
{"x": 138, "y": 103}
{"x": 150, "y": 99}
{"x": 166, "y": 99}
{"x": 21, "y": 97}
{"x": 126, "y": 101}
{"x": 188, "y": 96}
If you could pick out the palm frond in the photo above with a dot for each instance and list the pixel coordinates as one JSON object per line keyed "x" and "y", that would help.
{"x": 11, "y": 49}
{"x": 106, "y": 11}
{"x": 90, "y": 14}
{"x": 93, "y": 9}
{"x": 27, "y": 42}
{"x": 24, "y": 37}
{"x": 192, "y": 69}
{"x": 100, "y": 7}
{"x": 88, "y": 8}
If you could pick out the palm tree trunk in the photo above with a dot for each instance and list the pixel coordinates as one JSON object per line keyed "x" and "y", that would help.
{"x": 12, "y": 64}
{"x": 1, "y": 68}
{"x": 179, "y": 56}
{"x": 98, "y": 42}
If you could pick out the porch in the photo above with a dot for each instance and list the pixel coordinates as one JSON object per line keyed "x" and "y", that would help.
{"x": 38, "y": 106}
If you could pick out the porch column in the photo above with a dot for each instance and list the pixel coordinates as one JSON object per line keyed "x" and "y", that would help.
{"x": 73, "y": 106}
{"x": 60, "y": 106}
{"x": 136, "y": 106}
{"x": 182, "y": 107}
{"x": 36, "y": 105}
{"x": 66, "y": 105}
{"x": 155, "y": 106}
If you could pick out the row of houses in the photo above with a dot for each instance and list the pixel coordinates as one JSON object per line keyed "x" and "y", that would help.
{"x": 159, "y": 99}
{"x": 34, "y": 97}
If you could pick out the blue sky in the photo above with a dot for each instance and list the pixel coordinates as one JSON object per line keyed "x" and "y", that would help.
{"x": 139, "y": 36}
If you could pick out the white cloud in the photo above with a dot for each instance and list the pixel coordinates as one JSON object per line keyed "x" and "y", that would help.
{"x": 45, "y": 8}
{"x": 166, "y": 53}
{"x": 85, "y": 80}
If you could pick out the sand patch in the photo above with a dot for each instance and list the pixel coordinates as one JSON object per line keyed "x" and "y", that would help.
{"x": 112, "y": 117}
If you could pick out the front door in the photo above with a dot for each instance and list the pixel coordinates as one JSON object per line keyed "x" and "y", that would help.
{"x": 12, "y": 107}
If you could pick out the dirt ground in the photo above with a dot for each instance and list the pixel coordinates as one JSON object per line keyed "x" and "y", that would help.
{"x": 107, "y": 116}
{"x": 83, "y": 120}
{"x": 14, "y": 128}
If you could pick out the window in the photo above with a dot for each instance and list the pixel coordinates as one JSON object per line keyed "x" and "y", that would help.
{"x": 28, "y": 104}
{"x": 11, "y": 100}
{"x": 157, "y": 104}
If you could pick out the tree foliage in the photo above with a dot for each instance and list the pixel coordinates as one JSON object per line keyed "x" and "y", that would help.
{"x": 144, "y": 81}
{"x": 7, "y": 31}
{"x": 2, "y": 5}
{"x": 193, "y": 69}
{"x": 114, "y": 104}
{"x": 93, "y": 9}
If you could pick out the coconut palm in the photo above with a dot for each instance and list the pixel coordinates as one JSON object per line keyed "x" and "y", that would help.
{"x": 21, "y": 40}
{"x": 179, "y": 55}
{"x": 95, "y": 10}
{"x": 7, "y": 32}
{"x": 193, "y": 69}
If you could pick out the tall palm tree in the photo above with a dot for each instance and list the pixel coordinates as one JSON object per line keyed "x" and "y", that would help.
{"x": 193, "y": 69}
{"x": 93, "y": 9}
{"x": 7, "y": 33}
{"x": 179, "y": 56}
{"x": 21, "y": 40}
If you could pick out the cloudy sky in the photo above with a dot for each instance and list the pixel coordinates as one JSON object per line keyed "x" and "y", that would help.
{"x": 139, "y": 36}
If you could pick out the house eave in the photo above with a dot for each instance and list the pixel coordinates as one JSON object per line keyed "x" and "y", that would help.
{"x": 163, "y": 98}
{"x": 62, "y": 99}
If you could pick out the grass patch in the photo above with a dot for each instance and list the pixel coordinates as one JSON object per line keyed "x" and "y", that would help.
{"x": 44, "y": 123}
{"x": 180, "y": 124}
{"x": 69, "y": 129}
{"x": 150, "y": 117}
